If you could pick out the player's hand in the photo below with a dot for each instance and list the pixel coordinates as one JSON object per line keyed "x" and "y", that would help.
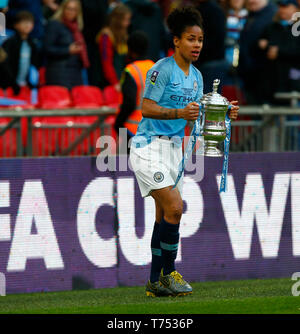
{"x": 190, "y": 112}
{"x": 234, "y": 110}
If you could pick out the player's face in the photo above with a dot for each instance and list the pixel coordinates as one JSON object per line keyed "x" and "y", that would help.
{"x": 190, "y": 43}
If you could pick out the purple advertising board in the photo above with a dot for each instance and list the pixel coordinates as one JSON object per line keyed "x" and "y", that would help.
{"x": 65, "y": 225}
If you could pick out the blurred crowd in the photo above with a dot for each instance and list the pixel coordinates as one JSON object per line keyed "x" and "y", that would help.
{"x": 251, "y": 45}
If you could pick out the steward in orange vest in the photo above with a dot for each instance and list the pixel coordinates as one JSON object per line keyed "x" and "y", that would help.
{"x": 133, "y": 84}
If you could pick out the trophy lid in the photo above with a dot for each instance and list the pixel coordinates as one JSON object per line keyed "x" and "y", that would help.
{"x": 214, "y": 98}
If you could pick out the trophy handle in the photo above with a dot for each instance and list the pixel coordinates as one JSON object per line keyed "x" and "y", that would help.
{"x": 202, "y": 118}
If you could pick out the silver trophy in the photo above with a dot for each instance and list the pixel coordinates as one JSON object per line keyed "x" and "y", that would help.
{"x": 215, "y": 107}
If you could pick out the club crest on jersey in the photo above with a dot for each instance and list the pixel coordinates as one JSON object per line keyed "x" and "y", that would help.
{"x": 158, "y": 177}
{"x": 154, "y": 77}
{"x": 195, "y": 85}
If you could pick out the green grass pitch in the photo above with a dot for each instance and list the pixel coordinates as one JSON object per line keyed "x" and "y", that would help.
{"x": 269, "y": 296}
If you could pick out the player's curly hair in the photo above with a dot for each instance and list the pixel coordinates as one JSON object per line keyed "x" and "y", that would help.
{"x": 181, "y": 18}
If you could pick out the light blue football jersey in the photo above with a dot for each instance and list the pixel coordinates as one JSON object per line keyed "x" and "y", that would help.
{"x": 169, "y": 87}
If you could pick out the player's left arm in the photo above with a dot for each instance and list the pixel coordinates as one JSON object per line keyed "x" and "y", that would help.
{"x": 234, "y": 110}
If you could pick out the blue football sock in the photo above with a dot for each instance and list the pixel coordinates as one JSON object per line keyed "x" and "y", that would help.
{"x": 169, "y": 238}
{"x": 156, "y": 263}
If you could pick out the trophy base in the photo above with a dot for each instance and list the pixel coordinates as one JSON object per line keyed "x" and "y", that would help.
{"x": 211, "y": 150}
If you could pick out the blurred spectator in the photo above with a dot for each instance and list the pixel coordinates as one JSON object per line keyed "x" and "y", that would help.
{"x": 168, "y": 5}
{"x": 252, "y": 62}
{"x": 4, "y": 6}
{"x": 32, "y": 6}
{"x": 112, "y": 4}
{"x": 147, "y": 17}
{"x": 282, "y": 51}
{"x": 211, "y": 62}
{"x": 113, "y": 44}
{"x": 5, "y": 32}
{"x": 21, "y": 50}
{"x": 65, "y": 48}
{"x": 236, "y": 15}
{"x": 133, "y": 79}
{"x": 165, "y": 6}
{"x": 6, "y": 77}
{"x": 50, "y": 7}
{"x": 94, "y": 12}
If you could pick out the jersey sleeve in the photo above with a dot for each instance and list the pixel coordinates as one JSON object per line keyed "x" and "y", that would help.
{"x": 156, "y": 81}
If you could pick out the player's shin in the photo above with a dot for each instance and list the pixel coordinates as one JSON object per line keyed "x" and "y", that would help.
{"x": 169, "y": 239}
{"x": 156, "y": 264}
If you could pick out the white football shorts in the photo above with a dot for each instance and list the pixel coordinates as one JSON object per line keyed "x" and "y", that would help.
{"x": 156, "y": 165}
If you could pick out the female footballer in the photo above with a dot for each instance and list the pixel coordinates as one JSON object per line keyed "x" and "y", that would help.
{"x": 173, "y": 85}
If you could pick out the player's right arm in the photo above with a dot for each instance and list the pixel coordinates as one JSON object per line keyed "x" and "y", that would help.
{"x": 151, "y": 109}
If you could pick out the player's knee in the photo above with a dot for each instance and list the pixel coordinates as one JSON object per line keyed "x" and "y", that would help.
{"x": 175, "y": 212}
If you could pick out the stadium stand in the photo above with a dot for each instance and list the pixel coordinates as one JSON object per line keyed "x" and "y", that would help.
{"x": 54, "y": 97}
{"x": 112, "y": 97}
{"x": 87, "y": 97}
